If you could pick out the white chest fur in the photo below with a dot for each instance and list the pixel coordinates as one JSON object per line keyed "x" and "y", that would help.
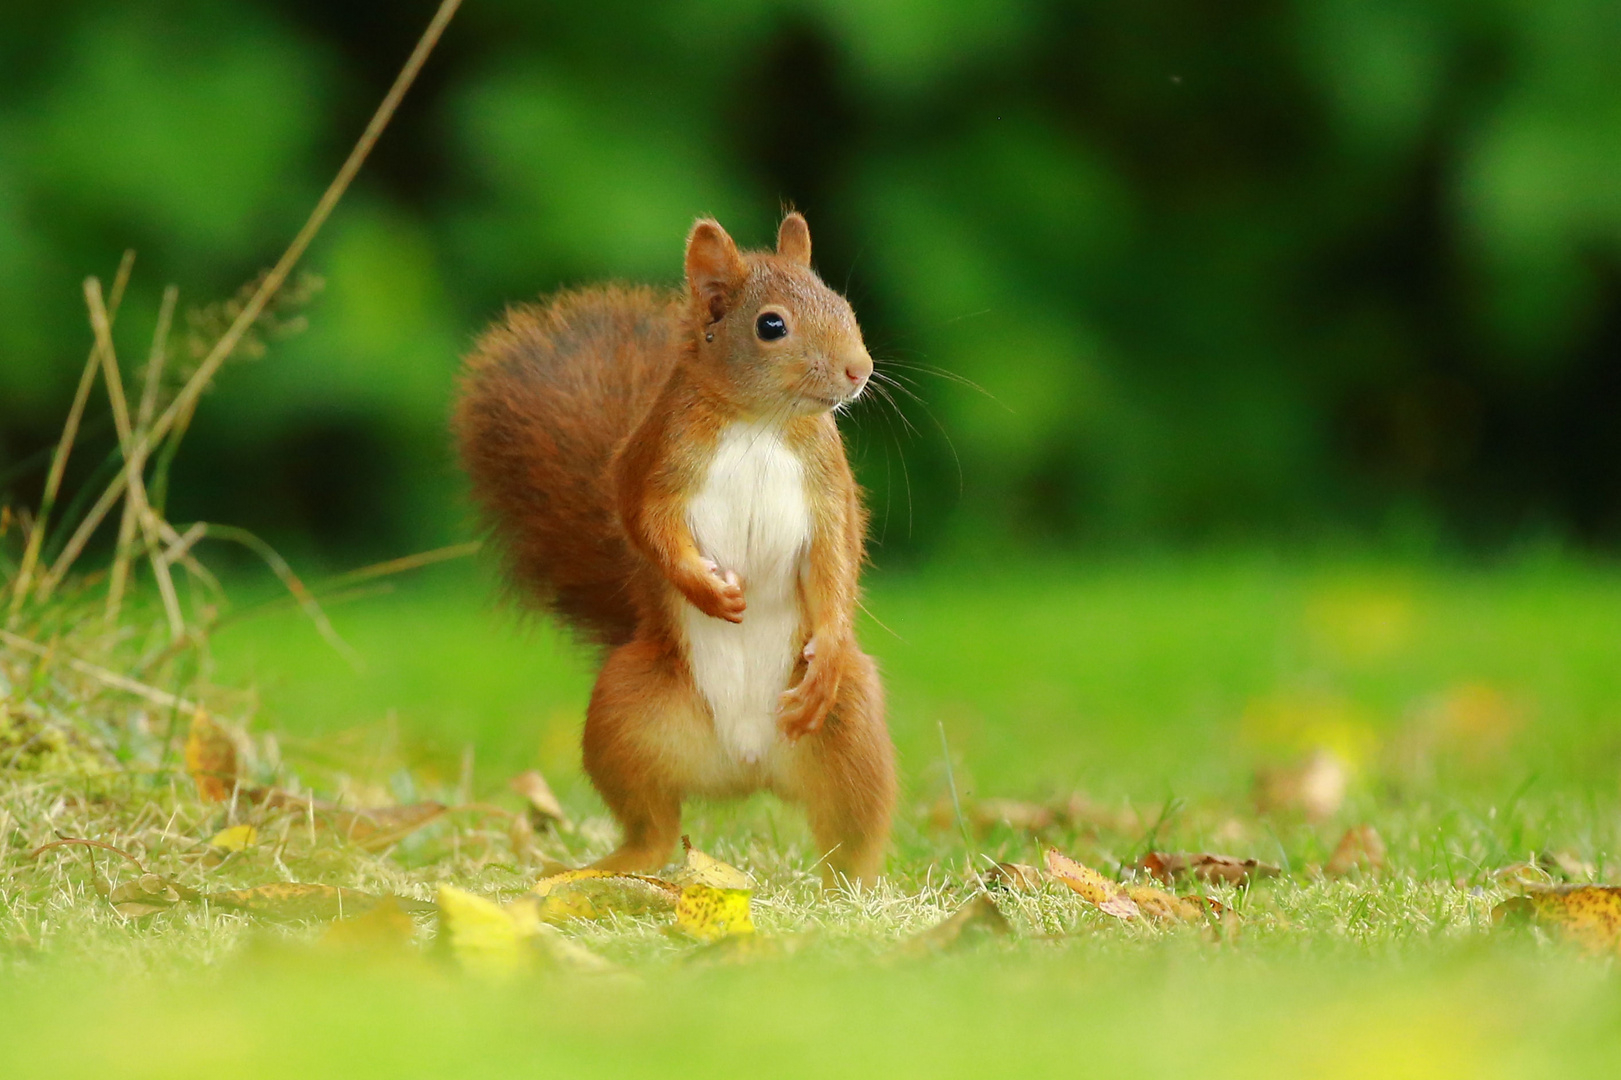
{"x": 750, "y": 516}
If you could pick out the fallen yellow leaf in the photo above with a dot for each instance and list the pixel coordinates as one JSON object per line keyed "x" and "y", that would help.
{"x": 235, "y": 838}
{"x": 708, "y": 913}
{"x": 297, "y": 901}
{"x": 701, "y": 869}
{"x": 1091, "y": 886}
{"x": 498, "y": 941}
{"x": 593, "y": 894}
{"x": 387, "y": 926}
{"x": 1162, "y": 906}
{"x": 1589, "y": 915}
{"x": 484, "y": 936}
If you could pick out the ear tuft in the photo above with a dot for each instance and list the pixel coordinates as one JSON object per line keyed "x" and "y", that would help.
{"x": 793, "y": 239}
{"x": 714, "y": 268}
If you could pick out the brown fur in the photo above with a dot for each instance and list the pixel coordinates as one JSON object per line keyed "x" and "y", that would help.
{"x": 587, "y": 424}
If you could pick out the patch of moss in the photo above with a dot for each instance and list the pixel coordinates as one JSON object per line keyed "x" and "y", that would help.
{"x": 32, "y": 742}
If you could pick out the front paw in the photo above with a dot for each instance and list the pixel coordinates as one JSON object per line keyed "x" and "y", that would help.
{"x": 801, "y": 710}
{"x": 718, "y": 593}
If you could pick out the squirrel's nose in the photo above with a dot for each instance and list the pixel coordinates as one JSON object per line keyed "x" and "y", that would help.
{"x": 858, "y": 369}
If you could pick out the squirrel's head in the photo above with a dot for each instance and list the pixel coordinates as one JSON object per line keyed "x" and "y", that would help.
{"x": 788, "y": 343}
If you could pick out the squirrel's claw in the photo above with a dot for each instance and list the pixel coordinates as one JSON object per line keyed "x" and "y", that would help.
{"x": 719, "y": 594}
{"x": 801, "y": 710}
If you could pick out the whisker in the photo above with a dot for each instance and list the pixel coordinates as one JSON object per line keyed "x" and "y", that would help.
{"x": 935, "y": 420}
{"x": 906, "y": 473}
{"x": 880, "y": 389}
{"x": 891, "y": 380}
{"x": 949, "y": 376}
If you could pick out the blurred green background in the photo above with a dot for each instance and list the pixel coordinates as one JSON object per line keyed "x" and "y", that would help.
{"x": 1269, "y": 269}
{"x": 1275, "y": 311}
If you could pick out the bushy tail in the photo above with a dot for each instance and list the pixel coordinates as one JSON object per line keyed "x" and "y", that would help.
{"x": 547, "y": 395}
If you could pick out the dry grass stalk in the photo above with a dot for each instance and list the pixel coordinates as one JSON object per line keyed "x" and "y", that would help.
{"x": 100, "y": 674}
{"x": 143, "y": 421}
{"x": 301, "y": 595}
{"x": 390, "y": 567}
{"x": 186, "y": 399}
{"x": 185, "y": 542}
{"x": 64, "y": 447}
{"x": 134, "y": 461}
{"x": 57, "y": 636}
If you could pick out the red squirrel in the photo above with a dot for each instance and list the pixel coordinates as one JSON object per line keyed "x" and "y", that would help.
{"x": 663, "y": 470}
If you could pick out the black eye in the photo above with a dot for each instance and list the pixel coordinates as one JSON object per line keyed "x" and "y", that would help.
{"x": 770, "y": 326}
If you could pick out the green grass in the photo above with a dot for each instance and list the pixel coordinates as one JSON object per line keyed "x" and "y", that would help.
{"x": 1479, "y": 710}
{"x": 1135, "y": 680}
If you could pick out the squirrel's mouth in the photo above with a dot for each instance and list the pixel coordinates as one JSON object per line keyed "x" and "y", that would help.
{"x": 820, "y": 395}
{"x": 828, "y": 402}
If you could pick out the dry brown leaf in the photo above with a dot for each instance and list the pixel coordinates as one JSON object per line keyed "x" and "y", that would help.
{"x": 1162, "y": 906}
{"x": 544, "y": 809}
{"x": 1225, "y": 927}
{"x": 1589, "y": 915}
{"x": 1361, "y": 846}
{"x": 979, "y": 917}
{"x": 1314, "y": 787}
{"x": 1017, "y": 876}
{"x": 210, "y": 758}
{"x": 1167, "y": 866}
{"x": 1107, "y": 896}
{"x": 595, "y": 894}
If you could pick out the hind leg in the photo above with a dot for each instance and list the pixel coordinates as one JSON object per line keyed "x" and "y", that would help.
{"x": 638, "y": 707}
{"x": 844, "y": 775}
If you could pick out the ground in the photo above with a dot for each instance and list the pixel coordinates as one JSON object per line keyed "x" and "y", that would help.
{"x": 1473, "y": 712}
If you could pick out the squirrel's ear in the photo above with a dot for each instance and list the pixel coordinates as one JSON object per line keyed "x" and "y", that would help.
{"x": 714, "y": 268}
{"x": 793, "y": 239}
